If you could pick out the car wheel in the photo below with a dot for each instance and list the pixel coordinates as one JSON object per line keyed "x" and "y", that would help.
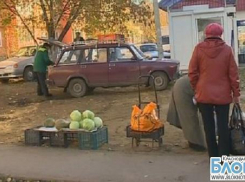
{"x": 77, "y": 87}
{"x": 4, "y": 80}
{"x": 161, "y": 80}
{"x": 28, "y": 74}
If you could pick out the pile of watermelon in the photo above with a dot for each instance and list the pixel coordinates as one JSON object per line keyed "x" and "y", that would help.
{"x": 85, "y": 120}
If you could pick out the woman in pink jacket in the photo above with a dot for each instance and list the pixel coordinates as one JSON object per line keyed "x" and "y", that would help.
{"x": 214, "y": 77}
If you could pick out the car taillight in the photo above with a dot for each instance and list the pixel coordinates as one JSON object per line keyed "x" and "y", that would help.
{"x": 16, "y": 65}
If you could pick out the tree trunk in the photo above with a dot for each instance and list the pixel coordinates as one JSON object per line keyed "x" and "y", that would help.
{"x": 51, "y": 31}
{"x": 73, "y": 16}
{"x": 51, "y": 21}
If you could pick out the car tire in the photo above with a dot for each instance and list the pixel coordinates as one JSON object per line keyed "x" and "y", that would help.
{"x": 4, "y": 80}
{"x": 77, "y": 87}
{"x": 161, "y": 80}
{"x": 28, "y": 74}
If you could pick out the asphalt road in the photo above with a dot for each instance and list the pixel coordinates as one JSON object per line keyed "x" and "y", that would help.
{"x": 101, "y": 166}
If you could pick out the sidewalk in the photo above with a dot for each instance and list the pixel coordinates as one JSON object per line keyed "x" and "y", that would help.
{"x": 101, "y": 166}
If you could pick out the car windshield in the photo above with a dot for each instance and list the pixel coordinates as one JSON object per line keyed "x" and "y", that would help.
{"x": 138, "y": 52}
{"x": 26, "y": 51}
{"x": 148, "y": 48}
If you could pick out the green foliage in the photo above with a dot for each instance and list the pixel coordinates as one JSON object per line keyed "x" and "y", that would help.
{"x": 6, "y": 20}
{"x": 93, "y": 15}
{"x": 112, "y": 16}
{"x": 6, "y": 17}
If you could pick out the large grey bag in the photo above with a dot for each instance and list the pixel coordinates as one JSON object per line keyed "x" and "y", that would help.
{"x": 237, "y": 131}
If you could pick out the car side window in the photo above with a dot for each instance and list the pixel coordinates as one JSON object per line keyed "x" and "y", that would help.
{"x": 33, "y": 51}
{"x": 70, "y": 57}
{"x": 22, "y": 52}
{"x": 95, "y": 55}
{"x": 120, "y": 54}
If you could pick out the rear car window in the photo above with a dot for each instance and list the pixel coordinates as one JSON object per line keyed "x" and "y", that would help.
{"x": 95, "y": 55}
{"x": 71, "y": 57}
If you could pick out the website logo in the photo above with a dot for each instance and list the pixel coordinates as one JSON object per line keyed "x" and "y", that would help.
{"x": 227, "y": 168}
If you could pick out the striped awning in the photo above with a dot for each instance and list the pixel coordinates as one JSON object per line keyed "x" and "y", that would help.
{"x": 178, "y": 4}
{"x": 240, "y": 5}
{"x": 164, "y": 4}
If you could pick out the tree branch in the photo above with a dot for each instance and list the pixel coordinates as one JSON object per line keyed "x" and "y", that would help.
{"x": 15, "y": 11}
{"x": 62, "y": 13}
{"x": 71, "y": 19}
{"x": 44, "y": 11}
{"x": 48, "y": 4}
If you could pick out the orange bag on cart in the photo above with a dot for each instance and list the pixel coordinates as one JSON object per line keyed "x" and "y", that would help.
{"x": 145, "y": 120}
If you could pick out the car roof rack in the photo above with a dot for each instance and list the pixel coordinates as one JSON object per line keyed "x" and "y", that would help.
{"x": 96, "y": 42}
{"x": 53, "y": 42}
{"x": 117, "y": 40}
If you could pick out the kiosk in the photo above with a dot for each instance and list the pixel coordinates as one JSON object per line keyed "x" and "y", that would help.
{"x": 187, "y": 29}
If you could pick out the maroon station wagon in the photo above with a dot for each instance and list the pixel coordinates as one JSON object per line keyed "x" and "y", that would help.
{"x": 79, "y": 69}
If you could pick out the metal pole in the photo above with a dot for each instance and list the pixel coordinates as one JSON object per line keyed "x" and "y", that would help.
{"x": 158, "y": 29}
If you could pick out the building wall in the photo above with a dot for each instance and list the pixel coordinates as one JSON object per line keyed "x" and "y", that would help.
{"x": 3, "y": 52}
{"x": 69, "y": 35}
{"x": 240, "y": 15}
{"x": 11, "y": 37}
{"x": 8, "y": 40}
{"x": 164, "y": 22}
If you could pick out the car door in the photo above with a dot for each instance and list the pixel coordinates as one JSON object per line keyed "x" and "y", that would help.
{"x": 94, "y": 66}
{"x": 124, "y": 67}
{"x": 66, "y": 68}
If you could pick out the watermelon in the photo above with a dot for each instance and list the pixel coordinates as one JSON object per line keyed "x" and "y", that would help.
{"x": 61, "y": 123}
{"x": 49, "y": 123}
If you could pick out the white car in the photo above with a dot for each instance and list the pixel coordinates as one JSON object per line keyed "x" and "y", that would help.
{"x": 19, "y": 65}
{"x": 150, "y": 50}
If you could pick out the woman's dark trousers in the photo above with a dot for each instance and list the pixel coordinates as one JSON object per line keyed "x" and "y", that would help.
{"x": 222, "y": 112}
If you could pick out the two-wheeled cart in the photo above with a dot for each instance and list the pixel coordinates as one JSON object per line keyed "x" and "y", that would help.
{"x": 155, "y": 135}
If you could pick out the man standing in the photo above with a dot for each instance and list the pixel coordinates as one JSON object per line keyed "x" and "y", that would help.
{"x": 77, "y": 40}
{"x": 78, "y": 37}
{"x": 41, "y": 63}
